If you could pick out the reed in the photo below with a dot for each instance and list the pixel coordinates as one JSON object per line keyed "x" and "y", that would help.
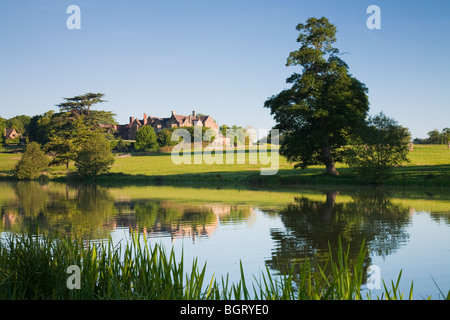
{"x": 34, "y": 268}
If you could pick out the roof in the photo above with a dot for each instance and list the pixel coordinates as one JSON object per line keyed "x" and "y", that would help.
{"x": 180, "y": 118}
{"x": 137, "y": 121}
{"x": 8, "y": 132}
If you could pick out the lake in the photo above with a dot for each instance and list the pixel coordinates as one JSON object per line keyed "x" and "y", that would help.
{"x": 404, "y": 229}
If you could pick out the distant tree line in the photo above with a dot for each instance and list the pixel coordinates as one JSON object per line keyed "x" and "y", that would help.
{"x": 435, "y": 137}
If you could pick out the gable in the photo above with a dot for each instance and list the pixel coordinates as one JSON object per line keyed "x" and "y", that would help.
{"x": 10, "y": 133}
{"x": 180, "y": 119}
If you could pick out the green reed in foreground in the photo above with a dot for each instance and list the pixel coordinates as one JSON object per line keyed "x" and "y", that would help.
{"x": 33, "y": 267}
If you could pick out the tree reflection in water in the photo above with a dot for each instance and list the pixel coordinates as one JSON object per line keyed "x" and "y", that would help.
{"x": 310, "y": 223}
{"x": 312, "y": 227}
{"x": 89, "y": 211}
{"x": 62, "y": 209}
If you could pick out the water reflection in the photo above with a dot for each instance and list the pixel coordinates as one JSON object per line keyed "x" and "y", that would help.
{"x": 85, "y": 211}
{"x": 91, "y": 212}
{"x": 300, "y": 224}
{"x": 177, "y": 220}
{"x": 314, "y": 226}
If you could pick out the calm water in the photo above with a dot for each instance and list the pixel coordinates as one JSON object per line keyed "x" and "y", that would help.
{"x": 406, "y": 230}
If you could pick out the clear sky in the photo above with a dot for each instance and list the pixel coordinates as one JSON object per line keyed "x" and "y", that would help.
{"x": 223, "y": 58}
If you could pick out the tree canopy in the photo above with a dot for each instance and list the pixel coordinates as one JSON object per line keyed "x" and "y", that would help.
{"x": 66, "y": 131}
{"x": 94, "y": 156}
{"x": 32, "y": 163}
{"x": 381, "y": 145}
{"x": 18, "y": 123}
{"x": 81, "y": 104}
{"x": 325, "y": 104}
{"x": 435, "y": 137}
{"x": 146, "y": 139}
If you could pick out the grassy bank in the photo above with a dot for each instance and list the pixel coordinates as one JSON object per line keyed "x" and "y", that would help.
{"x": 35, "y": 268}
{"x": 429, "y": 166}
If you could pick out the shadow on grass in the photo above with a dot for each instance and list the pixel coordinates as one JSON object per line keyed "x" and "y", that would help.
{"x": 436, "y": 175}
{"x": 285, "y": 177}
{"x": 411, "y": 175}
{"x": 194, "y": 152}
{"x": 433, "y": 175}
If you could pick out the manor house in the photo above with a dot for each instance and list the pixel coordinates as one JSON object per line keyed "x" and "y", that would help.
{"x": 128, "y": 131}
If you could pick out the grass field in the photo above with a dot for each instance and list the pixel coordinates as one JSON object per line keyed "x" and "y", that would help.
{"x": 429, "y": 166}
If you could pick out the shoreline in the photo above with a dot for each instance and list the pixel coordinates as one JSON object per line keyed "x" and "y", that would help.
{"x": 245, "y": 180}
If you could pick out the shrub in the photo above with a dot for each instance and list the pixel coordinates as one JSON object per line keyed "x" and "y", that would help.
{"x": 164, "y": 138}
{"x": 11, "y": 141}
{"x": 121, "y": 145}
{"x": 197, "y": 134}
{"x": 95, "y": 156}
{"x": 32, "y": 163}
{"x": 382, "y": 145}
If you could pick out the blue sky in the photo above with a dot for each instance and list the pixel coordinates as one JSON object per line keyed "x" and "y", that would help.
{"x": 223, "y": 58}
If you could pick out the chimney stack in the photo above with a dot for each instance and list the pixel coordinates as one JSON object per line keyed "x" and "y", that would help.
{"x": 145, "y": 120}
{"x": 131, "y": 119}
{"x": 173, "y": 113}
{"x": 194, "y": 113}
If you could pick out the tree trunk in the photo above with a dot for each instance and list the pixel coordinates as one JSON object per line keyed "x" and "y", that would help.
{"x": 329, "y": 206}
{"x": 331, "y": 169}
{"x": 329, "y": 163}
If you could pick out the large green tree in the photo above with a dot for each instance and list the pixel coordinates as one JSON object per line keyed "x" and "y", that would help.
{"x": 39, "y": 128}
{"x": 73, "y": 125}
{"x": 320, "y": 111}
{"x": 67, "y": 135}
{"x": 81, "y": 104}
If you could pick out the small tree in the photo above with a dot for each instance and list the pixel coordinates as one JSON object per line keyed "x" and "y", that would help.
{"x": 382, "y": 145}
{"x": 146, "y": 139}
{"x": 32, "y": 163}
{"x": 95, "y": 156}
{"x": 164, "y": 138}
{"x": 223, "y": 129}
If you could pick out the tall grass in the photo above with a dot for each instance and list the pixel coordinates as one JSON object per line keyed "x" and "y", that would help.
{"x": 33, "y": 267}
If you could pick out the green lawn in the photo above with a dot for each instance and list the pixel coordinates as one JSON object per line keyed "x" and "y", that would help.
{"x": 427, "y": 154}
{"x": 429, "y": 165}
{"x": 162, "y": 164}
{"x": 7, "y": 162}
